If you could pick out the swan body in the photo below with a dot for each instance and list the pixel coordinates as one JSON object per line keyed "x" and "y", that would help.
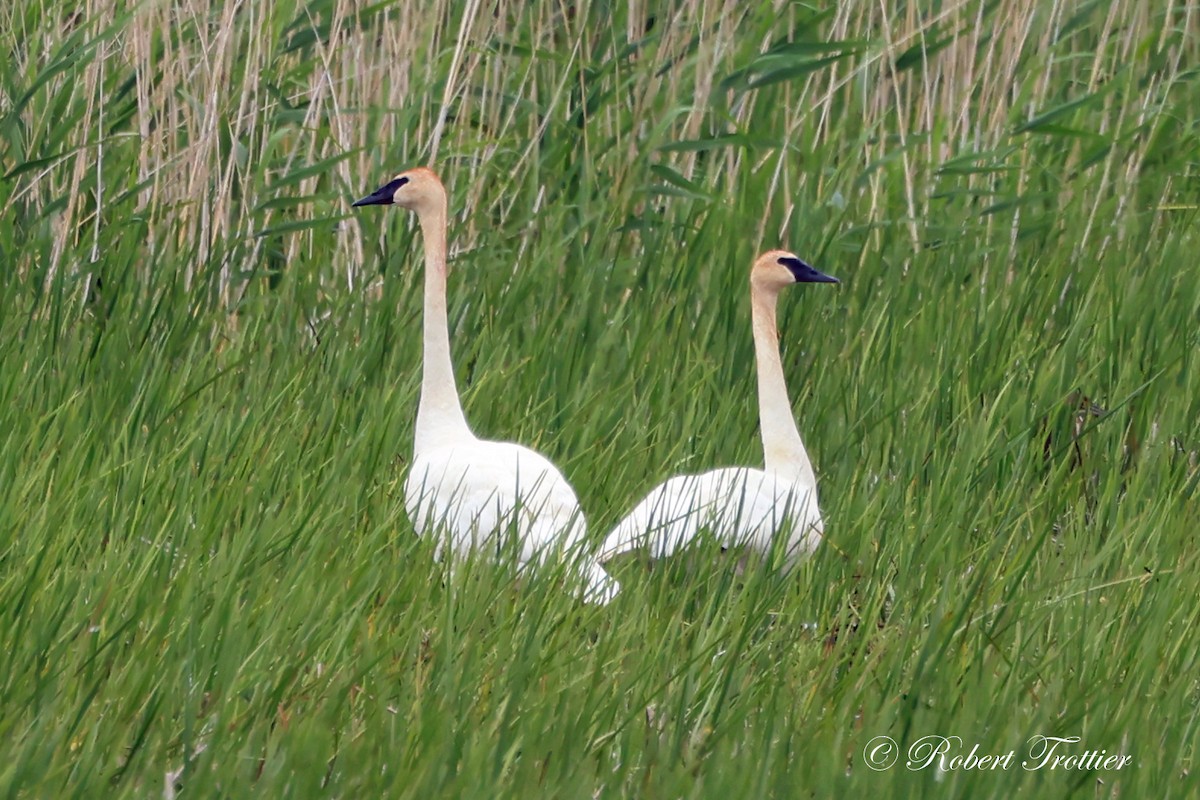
{"x": 469, "y": 493}
{"x": 742, "y": 506}
{"x": 501, "y": 497}
{"x": 739, "y": 506}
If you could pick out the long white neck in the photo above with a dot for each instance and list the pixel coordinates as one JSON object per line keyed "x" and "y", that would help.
{"x": 440, "y": 417}
{"x": 783, "y": 451}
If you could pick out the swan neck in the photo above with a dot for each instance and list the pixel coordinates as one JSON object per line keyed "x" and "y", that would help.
{"x": 440, "y": 416}
{"x": 783, "y": 451}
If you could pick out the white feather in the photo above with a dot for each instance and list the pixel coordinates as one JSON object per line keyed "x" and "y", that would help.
{"x": 735, "y": 506}
{"x": 503, "y": 498}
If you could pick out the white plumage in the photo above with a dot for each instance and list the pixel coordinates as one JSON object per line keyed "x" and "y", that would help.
{"x": 469, "y": 493}
{"x": 504, "y": 498}
{"x": 739, "y": 506}
{"x": 742, "y": 506}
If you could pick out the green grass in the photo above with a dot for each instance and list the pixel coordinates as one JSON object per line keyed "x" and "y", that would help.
{"x": 205, "y": 562}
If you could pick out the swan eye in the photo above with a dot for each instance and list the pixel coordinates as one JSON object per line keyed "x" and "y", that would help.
{"x": 794, "y": 264}
{"x": 804, "y": 273}
{"x": 393, "y": 186}
{"x": 384, "y": 195}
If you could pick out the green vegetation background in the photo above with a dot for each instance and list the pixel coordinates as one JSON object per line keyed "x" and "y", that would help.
{"x": 208, "y": 373}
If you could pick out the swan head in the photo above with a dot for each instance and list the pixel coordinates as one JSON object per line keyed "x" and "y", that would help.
{"x": 413, "y": 189}
{"x": 776, "y": 269}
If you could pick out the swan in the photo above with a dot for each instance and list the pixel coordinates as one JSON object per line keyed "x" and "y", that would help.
{"x": 470, "y": 493}
{"x": 741, "y": 506}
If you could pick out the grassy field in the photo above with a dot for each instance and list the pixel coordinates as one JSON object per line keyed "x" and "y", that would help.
{"x": 209, "y": 366}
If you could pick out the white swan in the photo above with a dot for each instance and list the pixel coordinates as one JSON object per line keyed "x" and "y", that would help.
{"x": 471, "y": 493}
{"x": 741, "y": 506}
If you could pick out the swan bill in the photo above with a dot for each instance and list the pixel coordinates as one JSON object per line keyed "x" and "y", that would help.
{"x": 383, "y": 196}
{"x": 804, "y": 272}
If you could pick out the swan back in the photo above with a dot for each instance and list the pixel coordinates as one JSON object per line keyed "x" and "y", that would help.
{"x": 736, "y": 506}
